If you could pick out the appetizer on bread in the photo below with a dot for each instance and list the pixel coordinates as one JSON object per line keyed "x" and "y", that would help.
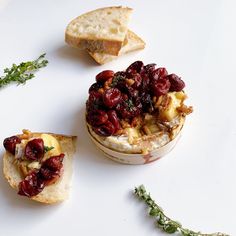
{"x": 39, "y": 165}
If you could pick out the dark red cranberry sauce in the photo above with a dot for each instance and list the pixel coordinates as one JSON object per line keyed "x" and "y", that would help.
{"x": 125, "y": 95}
{"x": 36, "y": 180}
{"x": 34, "y": 149}
{"x": 10, "y": 144}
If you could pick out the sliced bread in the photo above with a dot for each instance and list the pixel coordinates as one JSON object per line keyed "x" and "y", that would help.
{"x": 102, "y": 30}
{"x": 53, "y": 193}
{"x": 134, "y": 42}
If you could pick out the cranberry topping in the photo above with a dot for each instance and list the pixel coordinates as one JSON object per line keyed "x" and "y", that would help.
{"x": 150, "y": 68}
{"x": 35, "y": 181}
{"x": 95, "y": 87}
{"x": 176, "y": 83}
{"x": 51, "y": 169}
{"x": 111, "y": 97}
{"x": 161, "y": 87}
{"x": 113, "y": 118}
{"x": 104, "y": 75}
{"x": 106, "y": 129}
{"x": 31, "y": 185}
{"x": 97, "y": 117}
{"x": 127, "y": 94}
{"x": 10, "y": 144}
{"x": 34, "y": 149}
{"x": 136, "y": 66}
{"x": 159, "y": 73}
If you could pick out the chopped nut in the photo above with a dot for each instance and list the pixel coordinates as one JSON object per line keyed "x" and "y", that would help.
{"x": 119, "y": 132}
{"x": 154, "y": 99}
{"x": 125, "y": 124}
{"x": 26, "y": 134}
{"x": 185, "y": 110}
{"x": 23, "y": 168}
{"x": 101, "y": 90}
{"x": 130, "y": 82}
{"x": 137, "y": 121}
{"x": 146, "y": 130}
{"x": 148, "y": 117}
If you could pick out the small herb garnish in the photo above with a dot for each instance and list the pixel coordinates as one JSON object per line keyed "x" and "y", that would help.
{"x": 22, "y": 72}
{"x": 116, "y": 80}
{"x": 163, "y": 222}
{"x": 47, "y": 149}
{"x": 130, "y": 104}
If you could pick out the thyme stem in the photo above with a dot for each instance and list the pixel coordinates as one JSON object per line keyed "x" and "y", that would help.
{"x": 164, "y": 222}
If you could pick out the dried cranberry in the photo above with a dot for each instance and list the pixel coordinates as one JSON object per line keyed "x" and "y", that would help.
{"x": 176, "y": 83}
{"x": 54, "y": 163}
{"x": 34, "y": 149}
{"x": 94, "y": 96}
{"x": 161, "y": 87}
{"x": 137, "y": 66}
{"x": 159, "y": 73}
{"x": 145, "y": 86}
{"x": 112, "y": 116}
{"x": 124, "y": 97}
{"x": 94, "y": 101}
{"x": 95, "y": 87}
{"x": 104, "y": 75}
{"x": 147, "y": 102}
{"x": 10, "y": 144}
{"x": 51, "y": 169}
{"x": 97, "y": 117}
{"x": 106, "y": 129}
{"x": 137, "y": 80}
{"x": 149, "y": 68}
{"x": 129, "y": 108}
{"x": 111, "y": 97}
{"x": 31, "y": 185}
{"x": 133, "y": 93}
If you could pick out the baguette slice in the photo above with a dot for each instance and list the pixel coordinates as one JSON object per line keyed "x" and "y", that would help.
{"x": 102, "y": 30}
{"x": 54, "y": 193}
{"x": 134, "y": 42}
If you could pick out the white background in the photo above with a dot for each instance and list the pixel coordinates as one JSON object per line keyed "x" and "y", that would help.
{"x": 195, "y": 183}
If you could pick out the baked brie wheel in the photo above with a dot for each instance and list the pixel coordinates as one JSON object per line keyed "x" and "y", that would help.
{"x": 39, "y": 165}
{"x": 136, "y": 116}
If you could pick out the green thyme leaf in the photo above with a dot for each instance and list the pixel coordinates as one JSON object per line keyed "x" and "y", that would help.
{"x": 47, "y": 149}
{"x": 21, "y": 73}
{"x": 164, "y": 222}
{"x": 116, "y": 80}
{"x": 130, "y": 104}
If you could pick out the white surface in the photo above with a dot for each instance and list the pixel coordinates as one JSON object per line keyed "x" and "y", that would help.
{"x": 195, "y": 183}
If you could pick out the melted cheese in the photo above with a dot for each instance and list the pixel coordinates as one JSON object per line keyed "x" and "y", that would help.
{"x": 170, "y": 112}
{"x": 51, "y": 141}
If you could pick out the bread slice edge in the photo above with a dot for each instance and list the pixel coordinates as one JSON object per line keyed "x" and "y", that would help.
{"x": 134, "y": 43}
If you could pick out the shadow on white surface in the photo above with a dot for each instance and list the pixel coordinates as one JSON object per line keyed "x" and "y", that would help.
{"x": 75, "y": 55}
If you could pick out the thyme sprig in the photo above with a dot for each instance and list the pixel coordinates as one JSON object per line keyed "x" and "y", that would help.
{"x": 47, "y": 148}
{"x": 164, "y": 222}
{"x": 24, "y": 71}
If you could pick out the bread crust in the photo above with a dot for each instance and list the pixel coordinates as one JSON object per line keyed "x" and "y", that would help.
{"x": 48, "y": 195}
{"x": 93, "y": 44}
{"x": 133, "y": 43}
